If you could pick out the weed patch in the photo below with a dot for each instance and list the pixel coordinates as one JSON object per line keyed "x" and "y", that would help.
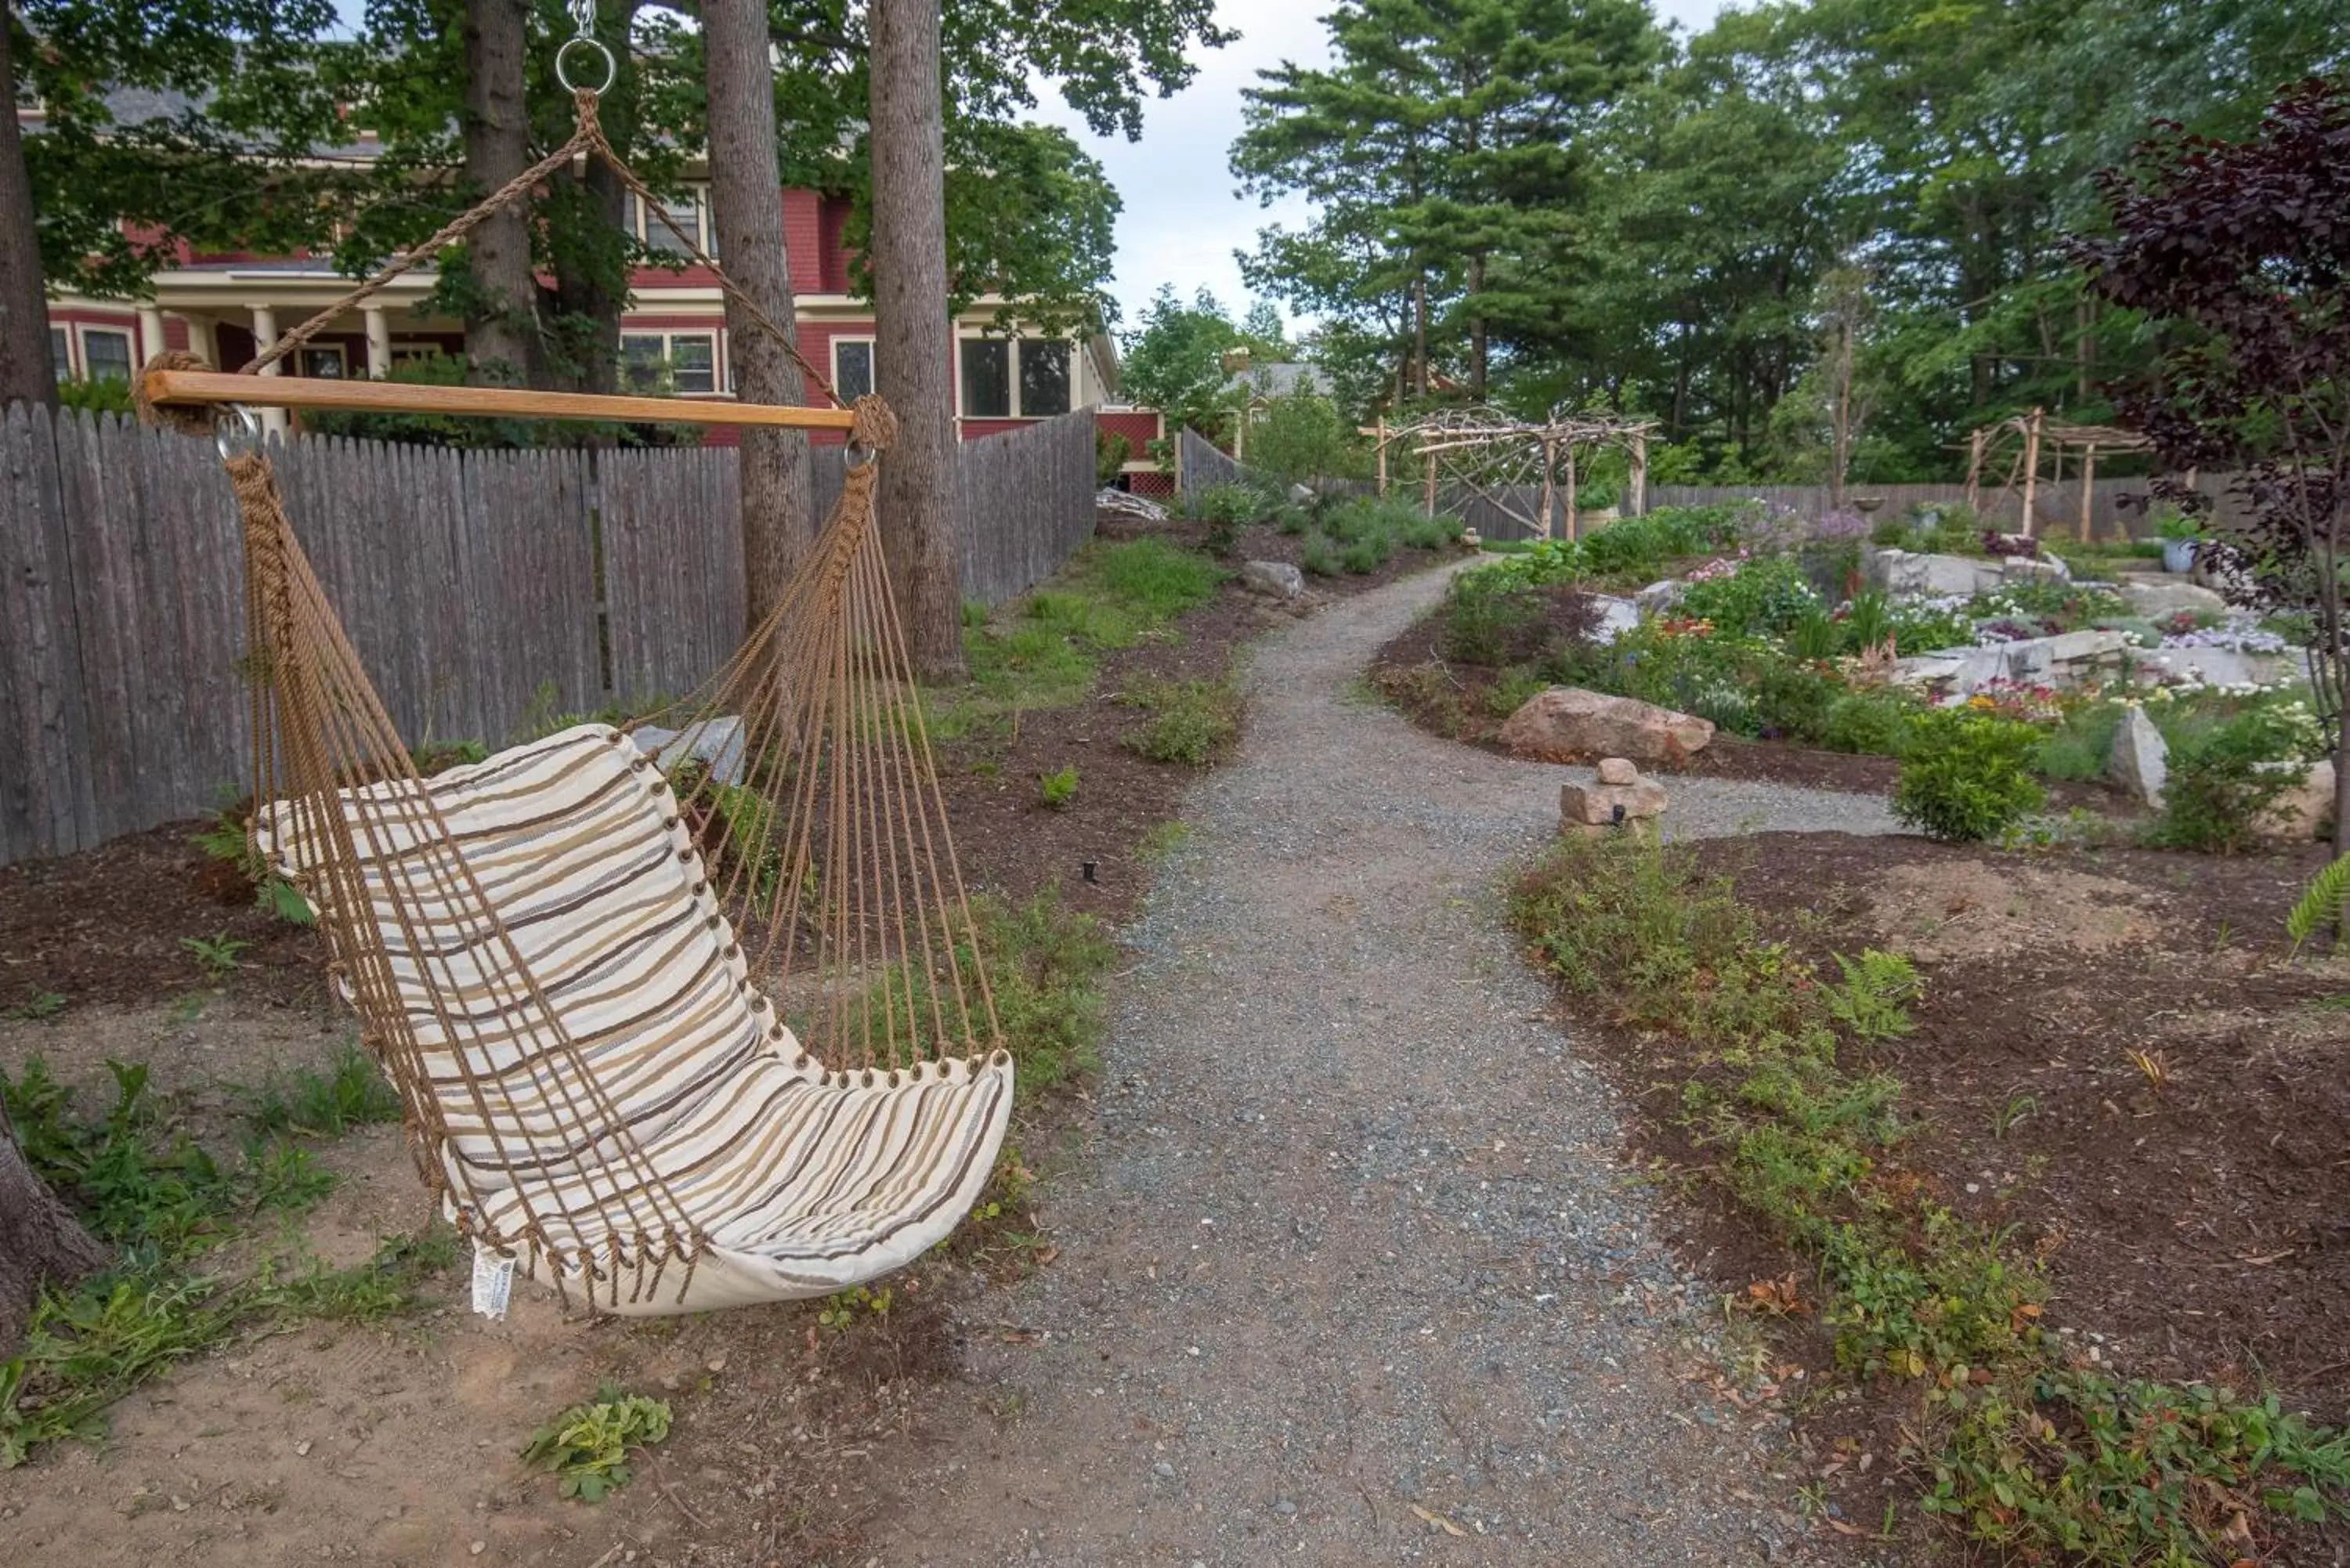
{"x": 1194, "y": 722}
{"x": 143, "y": 1186}
{"x": 587, "y": 1447}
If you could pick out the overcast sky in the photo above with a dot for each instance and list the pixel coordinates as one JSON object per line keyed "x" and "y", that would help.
{"x": 1183, "y": 218}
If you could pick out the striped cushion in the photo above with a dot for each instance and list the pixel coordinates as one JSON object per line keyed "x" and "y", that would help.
{"x": 575, "y": 841}
{"x": 803, "y": 1186}
{"x": 801, "y": 1182}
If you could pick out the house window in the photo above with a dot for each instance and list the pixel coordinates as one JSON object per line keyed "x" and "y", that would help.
{"x": 689, "y": 212}
{"x": 105, "y": 355}
{"x": 689, "y": 359}
{"x": 60, "y": 354}
{"x": 986, "y": 379}
{"x": 1044, "y": 380}
{"x": 324, "y": 364}
{"x": 852, "y": 368}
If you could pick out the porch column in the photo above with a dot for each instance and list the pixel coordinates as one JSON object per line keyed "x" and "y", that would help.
{"x": 265, "y": 333}
{"x": 378, "y": 339}
{"x": 150, "y": 332}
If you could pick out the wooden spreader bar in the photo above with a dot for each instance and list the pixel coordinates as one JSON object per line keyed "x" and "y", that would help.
{"x": 407, "y": 397}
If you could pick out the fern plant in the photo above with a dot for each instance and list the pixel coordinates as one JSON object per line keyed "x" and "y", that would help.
{"x": 2326, "y": 902}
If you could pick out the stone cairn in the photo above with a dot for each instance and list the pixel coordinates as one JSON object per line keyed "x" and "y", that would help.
{"x": 1618, "y": 799}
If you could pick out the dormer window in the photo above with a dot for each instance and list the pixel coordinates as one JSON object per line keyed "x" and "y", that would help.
{"x": 689, "y": 211}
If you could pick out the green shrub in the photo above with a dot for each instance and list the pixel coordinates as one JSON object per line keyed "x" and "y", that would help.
{"x": 1046, "y": 964}
{"x": 1194, "y": 722}
{"x": 1794, "y": 703}
{"x": 1365, "y": 556}
{"x": 1866, "y": 724}
{"x": 1966, "y": 777}
{"x": 1632, "y": 546}
{"x": 1319, "y": 557}
{"x": 1491, "y": 620}
{"x": 1057, "y": 790}
{"x": 1234, "y": 504}
{"x": 1765, "y": 596}
{"x": 2078, "y": 747}
{"x": 2223, "y": 780}
{"x": 1110, "y": 452}
{"x": 96, "y": 395}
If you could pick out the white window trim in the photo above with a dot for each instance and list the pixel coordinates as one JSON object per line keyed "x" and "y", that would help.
{"x": 721, "y": 374}
{"x": 832, "y": 355}
{"x": 705, "y": 226}
{"x": 1077, "y": 390}
{"x": 82, "y": 329}
{"x": 1012, "y": 370}
{"x": 1020, "y": 352}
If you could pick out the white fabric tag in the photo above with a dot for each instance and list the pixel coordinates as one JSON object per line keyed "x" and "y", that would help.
{"x": 493, "y": 1282}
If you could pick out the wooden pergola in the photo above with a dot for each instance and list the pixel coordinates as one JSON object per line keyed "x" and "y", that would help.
{"x": 2028, "y": 440}
{"x": 1499, "y": 457}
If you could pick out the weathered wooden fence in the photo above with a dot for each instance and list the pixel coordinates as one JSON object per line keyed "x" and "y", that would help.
{"x": 479, "y": 587}
{"x": 1199, "y": 463}
{"x": 2056, "y": 507}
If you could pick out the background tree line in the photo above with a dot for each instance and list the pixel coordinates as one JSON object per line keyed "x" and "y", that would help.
{"x": 1539, "y": 201}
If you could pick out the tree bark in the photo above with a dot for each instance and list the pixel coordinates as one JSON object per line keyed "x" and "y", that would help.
{"x": 913, "y": 337}
{"x": 746, "y": 200}
{"x": 1477, "y": 327}
{"x": 501, "y": 319}
{"x": 26, "y": 373}
{"x": 40, "y": 1243}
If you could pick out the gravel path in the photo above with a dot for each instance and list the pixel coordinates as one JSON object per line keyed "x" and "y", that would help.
{"x": 1353, "y": 1240}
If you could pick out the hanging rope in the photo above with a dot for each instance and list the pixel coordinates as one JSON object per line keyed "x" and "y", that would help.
{"x": 587, "y": 140}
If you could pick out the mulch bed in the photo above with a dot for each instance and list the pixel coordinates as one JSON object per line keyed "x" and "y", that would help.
{"x": 109, "y": 925}
{"x": 2201, "y": 1226}
{"x": 1452, "y": 700}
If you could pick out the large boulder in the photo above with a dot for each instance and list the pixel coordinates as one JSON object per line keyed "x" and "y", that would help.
{"x": 1907, "y": 573}
{"x": 2305, "y": 811}
{"x": 1275, "y": 579}
{"x": 1660, "y": 596}
{"x": 1569, "y": 724}
{"x": 2140, "y": 760}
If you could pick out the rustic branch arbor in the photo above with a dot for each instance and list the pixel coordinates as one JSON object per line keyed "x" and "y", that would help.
{"x": 1499, "y": 457}
{"x": 2025, "y": 439}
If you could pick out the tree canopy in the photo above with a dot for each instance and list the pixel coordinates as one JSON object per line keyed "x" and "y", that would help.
{"x": 1553, "y": 200}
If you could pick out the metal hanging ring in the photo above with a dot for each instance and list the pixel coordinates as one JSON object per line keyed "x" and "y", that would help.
{"x": 245, "y": 422}
{"x": 856, "y": 454}
{"x": 592, "y": 47}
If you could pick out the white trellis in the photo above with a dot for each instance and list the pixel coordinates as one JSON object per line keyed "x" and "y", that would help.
{"x": 1499, "y": 457}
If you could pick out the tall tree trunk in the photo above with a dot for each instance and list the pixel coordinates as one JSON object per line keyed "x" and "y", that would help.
{"x": 1477, "y": 325}
{"x": 913, "y": 337}
{"x": 1419, "y": 331}
{"x": 747, "y": 199}
{"x": 27, "y": 375}
{"x": 40, "y": 1243}
{"x": 502, "y": 320}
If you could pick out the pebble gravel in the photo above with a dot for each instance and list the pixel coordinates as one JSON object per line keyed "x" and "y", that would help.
{"x": 1353, "y": 1268}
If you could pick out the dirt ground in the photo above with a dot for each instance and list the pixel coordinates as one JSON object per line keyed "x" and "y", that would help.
{"x": 400, "y": 1443}
{"x": 2194, "y": 1204}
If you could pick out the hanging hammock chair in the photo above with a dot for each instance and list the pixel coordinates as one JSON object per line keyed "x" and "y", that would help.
{"x": 695, "y": 1017}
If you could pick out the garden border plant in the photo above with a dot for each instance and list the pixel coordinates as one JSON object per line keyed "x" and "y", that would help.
{"x": 2015, "y": 1444}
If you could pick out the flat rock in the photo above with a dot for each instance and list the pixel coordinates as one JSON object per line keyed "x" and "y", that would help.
{"x": 1617, "y": 617}
{"x": 2061, "y": 660}
{"x": 1660, "y": 596}
{"x": 1618, "y": 771}
{"x": 1567, "y": 724}
{"x": 1277, "y": 579}
{"x": 717, "y": 743}
{"x": 2140, "y": 760}
{"x": 2152, "y": 596}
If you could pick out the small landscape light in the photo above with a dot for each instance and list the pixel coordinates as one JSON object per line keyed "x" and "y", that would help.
{"x": 1089, "y": 867}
